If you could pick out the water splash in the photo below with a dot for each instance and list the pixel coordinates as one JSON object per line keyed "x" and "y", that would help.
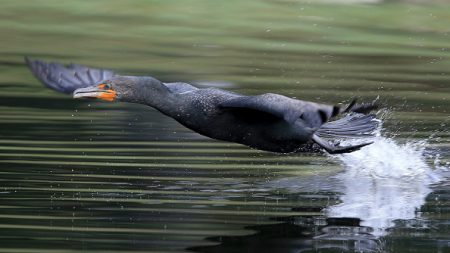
{"x": 384, "y": 182}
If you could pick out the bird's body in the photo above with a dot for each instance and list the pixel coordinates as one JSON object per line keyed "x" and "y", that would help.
{"x": 268, "y": 122}
{"x": 201, "y": 110}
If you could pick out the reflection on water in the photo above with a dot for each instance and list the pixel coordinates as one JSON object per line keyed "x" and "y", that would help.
{"x": 383, "y": 187}
{"x": 384, "y": 182}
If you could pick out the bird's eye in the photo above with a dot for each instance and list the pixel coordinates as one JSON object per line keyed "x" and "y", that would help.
{"x": 104, "y": 86}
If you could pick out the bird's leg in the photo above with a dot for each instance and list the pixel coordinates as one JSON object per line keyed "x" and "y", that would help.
{"x": 331, "y": 149}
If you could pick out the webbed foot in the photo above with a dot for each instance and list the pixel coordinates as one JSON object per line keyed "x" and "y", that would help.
{"x": 332, "y": 149}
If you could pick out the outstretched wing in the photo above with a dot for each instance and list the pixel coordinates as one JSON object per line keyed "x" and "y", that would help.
{"x": 288, "y": 109}
{"x": 67, "y": 79}
{"x": 276, "y": 105}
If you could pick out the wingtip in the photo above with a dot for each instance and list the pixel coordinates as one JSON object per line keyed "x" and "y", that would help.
{"x": 31, "y": 63}
{"x": 363, "y": 108}
{"x": 27, "y": 60}
{"x": 350, "y": 106}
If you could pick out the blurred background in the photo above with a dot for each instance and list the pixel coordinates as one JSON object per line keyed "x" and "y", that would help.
{"x": 104, "y": 177}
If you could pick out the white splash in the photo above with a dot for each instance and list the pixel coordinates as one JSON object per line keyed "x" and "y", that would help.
{"x": 384, "y": 182}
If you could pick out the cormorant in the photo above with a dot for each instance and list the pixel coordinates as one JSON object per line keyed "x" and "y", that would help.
{"x": 269, "y": 122}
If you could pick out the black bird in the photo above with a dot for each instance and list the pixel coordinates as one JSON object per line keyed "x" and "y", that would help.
{"x": 268, "y": 122}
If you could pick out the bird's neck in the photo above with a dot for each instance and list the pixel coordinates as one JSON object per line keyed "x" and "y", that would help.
{"x": 157, "y": 95}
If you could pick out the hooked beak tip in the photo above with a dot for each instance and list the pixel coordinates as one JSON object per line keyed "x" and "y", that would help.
{"x": 94, "y": 92}
{"x": 77, "y": 95}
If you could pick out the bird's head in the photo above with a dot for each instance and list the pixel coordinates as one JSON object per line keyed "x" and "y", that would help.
{"x": 119, "y": 89}
{"x": 102, "y": 91}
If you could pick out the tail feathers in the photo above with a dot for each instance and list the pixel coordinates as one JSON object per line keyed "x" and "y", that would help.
{"x": 351, "y": 126}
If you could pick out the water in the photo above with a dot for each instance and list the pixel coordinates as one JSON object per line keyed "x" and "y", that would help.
{"x": 382, "y": 186}
{"x": 83, "y": 176}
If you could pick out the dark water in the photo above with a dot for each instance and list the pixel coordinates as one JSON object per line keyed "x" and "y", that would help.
{"x": 83, "y": 176}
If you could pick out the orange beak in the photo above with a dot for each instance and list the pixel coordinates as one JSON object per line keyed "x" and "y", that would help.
{"x": 98, "y": 91}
